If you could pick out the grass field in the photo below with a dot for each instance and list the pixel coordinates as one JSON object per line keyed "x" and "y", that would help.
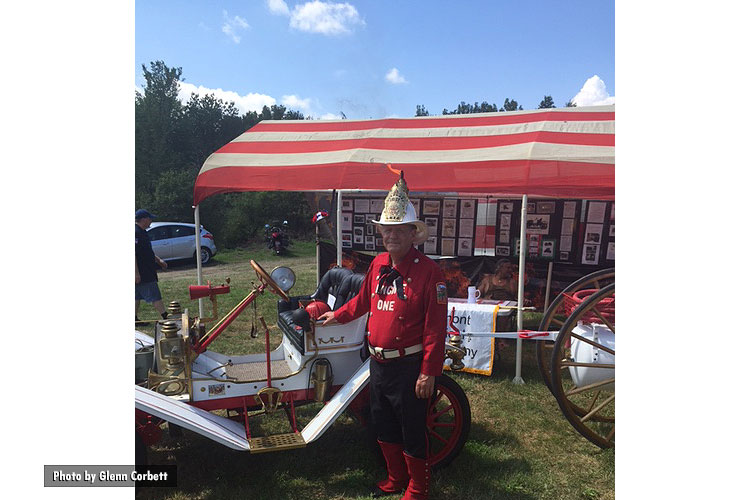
{"x": 520, "y": 445}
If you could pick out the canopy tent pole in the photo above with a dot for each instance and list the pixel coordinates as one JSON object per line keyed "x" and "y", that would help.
{"x": 521, "y": 268}
{"x": 339, "y": 251}
{"x": 199, "y": 265}
{"x": 549, "y": 285}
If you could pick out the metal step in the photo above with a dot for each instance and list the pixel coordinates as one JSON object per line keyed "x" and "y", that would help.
{"x": 277, "y": 442}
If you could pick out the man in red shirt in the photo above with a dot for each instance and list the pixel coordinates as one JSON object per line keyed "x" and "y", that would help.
{"x": 404, "y": 291}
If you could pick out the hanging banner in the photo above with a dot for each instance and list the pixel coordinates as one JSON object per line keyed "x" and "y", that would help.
{"x": 479, "y": 318}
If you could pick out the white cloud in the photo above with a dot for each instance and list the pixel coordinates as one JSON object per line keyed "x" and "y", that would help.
{"x": 329, "y": 116}
{"x": 244, "y": 103}
{"x": 394, "y": 77}
{"x": 593, "y": 93}
{"x": 278, "y": 7}
{"x": 325, "y": 17}
{"x": 232, "y": 25}
{"x": 296, "y": 103}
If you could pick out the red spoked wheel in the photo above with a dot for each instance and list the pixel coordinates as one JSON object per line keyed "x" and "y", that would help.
{"x": 448, "y": 421}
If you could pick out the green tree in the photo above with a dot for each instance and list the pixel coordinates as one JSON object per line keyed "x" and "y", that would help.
{"x": 464, "y": 108}
{"x": 157, "y": 112}
{"x": 172, "y": 141}
{"x": 570, "y": 104}
{"x": 422, "y": 111}
{"x": 511, "y": 105}
{"x": 547, "y": 102}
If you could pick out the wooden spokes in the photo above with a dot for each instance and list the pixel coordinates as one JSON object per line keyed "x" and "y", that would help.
{"x": 555, "y": 315}
{"x": 582, "y": 370}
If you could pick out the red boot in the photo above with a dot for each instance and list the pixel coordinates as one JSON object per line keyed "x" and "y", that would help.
{"x": 419, "y": 472}
{"x": 398, "y": 476}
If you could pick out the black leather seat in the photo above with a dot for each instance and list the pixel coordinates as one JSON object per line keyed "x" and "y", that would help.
{"x": 338, "y": 281}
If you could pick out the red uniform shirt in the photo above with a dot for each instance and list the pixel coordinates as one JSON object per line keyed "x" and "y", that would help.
{"x": 395, "y": 323}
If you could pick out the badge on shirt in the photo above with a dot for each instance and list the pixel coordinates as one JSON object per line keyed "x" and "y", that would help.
{"x": 442, "y": 293}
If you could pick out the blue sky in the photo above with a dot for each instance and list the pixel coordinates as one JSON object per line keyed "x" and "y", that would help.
{"x": 374, "y": 59}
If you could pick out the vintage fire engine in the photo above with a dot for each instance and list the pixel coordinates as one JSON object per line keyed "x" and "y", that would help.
{"x": 186, "y": 383}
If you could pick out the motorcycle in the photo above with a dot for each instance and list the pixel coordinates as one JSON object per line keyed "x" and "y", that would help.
{"x": 276, "y": 237}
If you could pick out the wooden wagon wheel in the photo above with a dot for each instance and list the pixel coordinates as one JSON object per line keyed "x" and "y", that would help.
{"x": 555, "y": 316}
{"x": 267, "y": 280}
{"x": 583, "y": 368}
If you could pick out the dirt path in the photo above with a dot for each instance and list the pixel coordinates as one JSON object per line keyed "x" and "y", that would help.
{"x": 216, "y": 272}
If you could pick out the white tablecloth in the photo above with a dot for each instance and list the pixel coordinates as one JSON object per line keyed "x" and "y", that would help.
{"x": 479, "y": 317}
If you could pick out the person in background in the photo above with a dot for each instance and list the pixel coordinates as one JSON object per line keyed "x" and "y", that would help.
{"x": 146, "y": 262}
{"x": 404, "y": 291}
{"x": 502, "y": 285}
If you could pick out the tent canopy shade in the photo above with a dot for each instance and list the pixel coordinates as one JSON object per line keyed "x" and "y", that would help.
{"x": 565, "y": 153}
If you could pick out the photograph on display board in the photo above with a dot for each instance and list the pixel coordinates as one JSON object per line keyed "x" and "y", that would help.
{"x": 548, "y": 248}
{"x": 564, "y": 256}
{"x": 567, "y": 226}
{"x": 448, "y": 246}
{"x": 466, "y": 228}
{"x": 359, "y": 219}
{"x": 612, "y": 231}
{"x": 369, "y": 243}
{"x": 612, "y": 212}
{"x": 534, "y": 243}
{"x": 569, "y": 209}
{"x": 590, "y": 254}
{"x": 596, "y": 211}
{"x": 430, "y": 245}
{"x": 537, "y": 224}
{"x": 464, "y": 246}
{"x": 449, "y": 228}
{"x": 376, "y": 206}
{"x": 449, "y": 208}
{"x": 545, "y": 207}
{"x": 502, "y": 251}
{"x": 504, "y": 236}
{"x": 370, "y": 229}
{"x": 593, "y": 234}
{"x": 346, "y": 222}
{"x": 346, "y": 240}
{"x": 505, "y": 221}
{"x": 371, "y": 217}
{"x": 378, "y": 242}
{"x": 505, "y": 206}
{"x": 431, "y": 223}
{"x": 346, "y": 205}
{"x": 431, "y": 207}
{"x": 416, "y": 204}
{"x": 566, "y": 243}
{"x": 611, "y": 251}
{"x": 467, "y": 209}
{"x": 531, "y": 208}
{"x": 361, "y": 205}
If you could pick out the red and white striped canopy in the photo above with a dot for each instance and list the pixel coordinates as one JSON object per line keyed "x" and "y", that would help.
{"x": 563, "y": 153}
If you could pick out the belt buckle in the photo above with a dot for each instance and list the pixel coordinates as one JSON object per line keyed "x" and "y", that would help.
{"x": 378, "y": 353}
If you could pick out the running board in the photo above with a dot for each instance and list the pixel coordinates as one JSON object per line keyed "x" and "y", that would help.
{"x": 219, "y": 429}
{"x": 337, "y": 404}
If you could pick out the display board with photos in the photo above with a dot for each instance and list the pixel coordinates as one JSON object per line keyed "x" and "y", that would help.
{"x": 552, "y": 229}
{"x": 598, "y": 239}
{"x": 450, "y": 224}
{"x": 555, "y": 229}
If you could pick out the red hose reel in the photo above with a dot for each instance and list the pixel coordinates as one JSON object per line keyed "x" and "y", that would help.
{"x": 605, "y": 307}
